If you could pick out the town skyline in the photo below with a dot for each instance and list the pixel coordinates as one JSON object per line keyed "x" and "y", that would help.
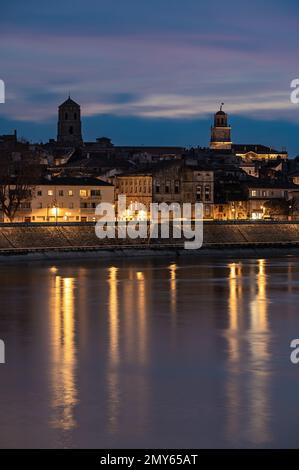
{"x": 199, "y": 129}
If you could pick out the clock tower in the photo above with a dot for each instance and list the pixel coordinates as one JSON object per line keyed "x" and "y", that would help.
{"x": 221, "y": 132}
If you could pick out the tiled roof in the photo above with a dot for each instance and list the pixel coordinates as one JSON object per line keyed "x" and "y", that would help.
{"x": 74, "y": 181}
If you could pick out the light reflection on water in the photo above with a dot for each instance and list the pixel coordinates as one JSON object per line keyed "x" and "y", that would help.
{"x": 150, "y": 354}
{"x": 63, "y": 361}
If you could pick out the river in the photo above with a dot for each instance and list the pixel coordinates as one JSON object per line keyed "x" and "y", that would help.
{"x": 165, "y": 353}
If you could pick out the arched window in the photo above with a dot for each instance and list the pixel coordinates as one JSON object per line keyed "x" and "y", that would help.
{"x": 75, "y": 116}
{"x": 71, "y": 130}
{"x": 66, "y": 116}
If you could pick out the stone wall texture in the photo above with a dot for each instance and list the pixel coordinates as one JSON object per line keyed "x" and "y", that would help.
{"x": 16, "y": 237}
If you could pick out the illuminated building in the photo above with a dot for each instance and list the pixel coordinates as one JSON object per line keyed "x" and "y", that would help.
{"x": 65, "y": 200}
{"x": 221, "y": 132}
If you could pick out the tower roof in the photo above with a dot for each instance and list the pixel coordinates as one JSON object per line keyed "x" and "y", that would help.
{"x": 69, "y": 102}
{"x": 221, "y": 112}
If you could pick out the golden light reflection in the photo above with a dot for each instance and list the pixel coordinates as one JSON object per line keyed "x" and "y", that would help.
{"x": 113, "y": 316}
{"x": 65, "y": 395}
{"x": 173, "y": 288}
{"x": 113, "y": 378}
{"x": 259, "y": 360}
{"x": 248, "y": 351}
{"x": 234, "y": 348}
{"x": 235, "y": 294}
{"x": 141, "y": 314}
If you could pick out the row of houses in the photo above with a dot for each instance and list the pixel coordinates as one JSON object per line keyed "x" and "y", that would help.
{"x": 232, "y": 181}
{"x": 223, "y": 194}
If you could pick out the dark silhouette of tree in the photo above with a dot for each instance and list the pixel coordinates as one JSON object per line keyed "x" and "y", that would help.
{"x": 19, "y": 174}
{"x": 280, "y": 207}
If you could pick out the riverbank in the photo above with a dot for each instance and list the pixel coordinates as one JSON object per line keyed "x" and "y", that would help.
{"x": 58, "y": 241}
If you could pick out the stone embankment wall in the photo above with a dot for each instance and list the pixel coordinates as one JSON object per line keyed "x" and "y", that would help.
{"x": 24, "y": 238}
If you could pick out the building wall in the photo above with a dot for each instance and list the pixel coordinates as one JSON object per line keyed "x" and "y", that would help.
{"x": 136, "y": 188}
{"x": 183, "y": 184}
{"x": 51, "y": 203}
{"x": 250, "y": 156}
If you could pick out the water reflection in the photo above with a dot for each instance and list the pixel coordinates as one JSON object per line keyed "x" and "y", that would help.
{"x": 248, "y": 350}
{"x": 63, "y": 384}
{"x": 258, "y": 341}
{"x": 173, "y": 291}
{"x": 113, "y": 377}
{"x": 150, "y": 354}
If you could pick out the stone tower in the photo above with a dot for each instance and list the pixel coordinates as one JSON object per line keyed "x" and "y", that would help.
{"x": 69, "y": 123}
{"x": 221, "y": 132}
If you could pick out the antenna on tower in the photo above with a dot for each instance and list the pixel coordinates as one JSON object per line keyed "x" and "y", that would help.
{"x": 222, "y": 104}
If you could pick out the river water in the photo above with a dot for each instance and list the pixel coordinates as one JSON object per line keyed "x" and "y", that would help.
{"x": 173, "y": 353}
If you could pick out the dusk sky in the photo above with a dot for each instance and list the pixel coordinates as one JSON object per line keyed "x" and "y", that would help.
{"x": 152, "y": 72}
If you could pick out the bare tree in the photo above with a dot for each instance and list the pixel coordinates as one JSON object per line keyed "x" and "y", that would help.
{"x": 279, "y": 207}
{"x": 19, "y": 174}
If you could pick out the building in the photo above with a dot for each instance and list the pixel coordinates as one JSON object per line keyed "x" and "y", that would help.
{"x": 137, "y": 187}
{"x": 221, "y": 132}
{"x": 221, "y": 140}
{"x": 65, "y": 200}
{"x": 258, "y": 152}
{"x": 169, "y": 182}
{"x": 254, "y": 195}
{"x": 69, "y": 123}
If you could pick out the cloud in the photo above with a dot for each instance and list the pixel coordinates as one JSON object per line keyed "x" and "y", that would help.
{"x": 143, "y": 75}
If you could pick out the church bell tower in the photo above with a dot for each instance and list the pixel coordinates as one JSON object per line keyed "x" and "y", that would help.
{"x": 221, "y": 132}
{"x": 69, "y": 123}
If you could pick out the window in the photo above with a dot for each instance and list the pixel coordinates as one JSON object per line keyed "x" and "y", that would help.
{"x": 177, "y": 187}
{"x": 207, "y": 193}
{"x": 253, "y": 193}
{"x": 39, "y": 193}
{"x": 71, "y": 206}
{"x": 71, "y": 130}
{"x": 83, "y": 193}
{"x": 157, "y": 188}
{"x": 66, "y": 116}
{"x": 95, "y": 193}
{"x": 60, "y": 192}
{"x": 40, "y": 206}
{"x": 70, "y": 192}
{"x": 25, "y": 205}
{"x": 198, "y": 193}
{"x": 167, "y": 187}
{"x": 75, "y": 116}
{"x": 50, "y": 192}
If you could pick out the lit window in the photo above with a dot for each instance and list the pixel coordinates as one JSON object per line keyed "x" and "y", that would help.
{"x": 50, "y": 192}
{"x": 253, "y": 193}
{"x": 70, "y": 192}
{"x": 83, "y": 193}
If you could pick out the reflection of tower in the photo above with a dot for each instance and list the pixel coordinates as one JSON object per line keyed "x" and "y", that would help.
{"x": 221, "y": 132}
{"x": 69, "y": 122}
